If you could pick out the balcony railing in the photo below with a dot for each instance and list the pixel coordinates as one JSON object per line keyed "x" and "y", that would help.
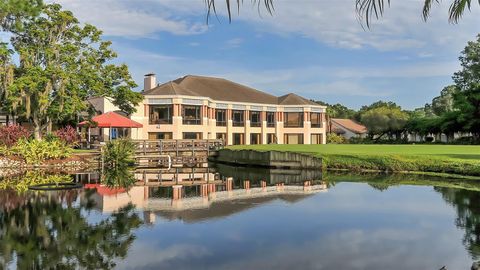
{"x": 238, "y": 124}
{"x": 221, "y": 123}
{"x": 160, "y": 121}
{"x": 192, "y": 121}
{"x": 255, "y": 124}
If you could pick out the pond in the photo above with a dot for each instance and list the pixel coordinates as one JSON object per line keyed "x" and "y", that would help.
{"x": 277, "y": 220}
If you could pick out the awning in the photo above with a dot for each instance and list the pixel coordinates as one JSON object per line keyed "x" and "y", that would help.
{"x": 113, "y": 120}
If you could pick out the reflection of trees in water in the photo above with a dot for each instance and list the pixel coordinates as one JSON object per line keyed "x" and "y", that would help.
{"x": 380, "y": 186}
{"x": 22, "y": 182}
{"x": 467, "y": 206}
{"x": 43, "y": 231}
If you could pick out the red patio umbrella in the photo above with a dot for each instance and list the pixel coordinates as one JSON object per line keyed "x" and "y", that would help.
{"x": 113, "y": 120}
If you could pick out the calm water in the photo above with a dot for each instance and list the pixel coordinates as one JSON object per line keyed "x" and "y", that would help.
{"x": 331, "y": 223}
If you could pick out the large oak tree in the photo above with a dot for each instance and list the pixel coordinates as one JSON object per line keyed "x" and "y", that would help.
{"x": 61, "y": 64}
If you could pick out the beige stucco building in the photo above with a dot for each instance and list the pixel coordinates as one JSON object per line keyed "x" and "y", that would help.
{"x": 197, "y": 107}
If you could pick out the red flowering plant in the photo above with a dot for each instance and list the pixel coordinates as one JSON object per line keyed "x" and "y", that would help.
{"x": 68, "y": 135}
{"x": 11, "y": 134}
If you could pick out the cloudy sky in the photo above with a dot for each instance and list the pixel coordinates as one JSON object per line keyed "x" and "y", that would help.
{"x": 315, "y": 48}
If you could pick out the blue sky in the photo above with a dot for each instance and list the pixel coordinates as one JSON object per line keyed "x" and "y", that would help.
{"x": 315, "y": 48}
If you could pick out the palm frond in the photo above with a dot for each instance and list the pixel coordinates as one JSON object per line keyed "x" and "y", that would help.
{"x": 211, "y": 7}
{"x": 427, "y": 7}
{"x": 457, "y": 8}
{"x": 368, "y": 9}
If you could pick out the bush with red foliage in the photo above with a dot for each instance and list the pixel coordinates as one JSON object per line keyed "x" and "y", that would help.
{"x": 10, "y": 134}
{"x": 68, "y": 135}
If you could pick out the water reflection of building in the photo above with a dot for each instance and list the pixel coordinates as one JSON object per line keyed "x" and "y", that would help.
{"x": 193, "y": 202}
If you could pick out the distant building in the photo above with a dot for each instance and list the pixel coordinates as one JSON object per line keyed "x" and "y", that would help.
{"x": 347, "y": 128}
{"x": 5, "y": 118}
{"x": 197, "y": 107}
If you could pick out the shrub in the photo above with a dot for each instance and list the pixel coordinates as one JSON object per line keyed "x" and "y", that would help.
{"x": 68, "y": 135}
{"x": 36, "y": 152}
{"x": 10, "y": 134}
{"x": 5, "y": 151}
{"x": 118, "y": 157}
{"x": 334, "y": 138}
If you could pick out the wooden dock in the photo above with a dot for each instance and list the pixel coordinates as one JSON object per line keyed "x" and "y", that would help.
{"x": 175, "y": 153}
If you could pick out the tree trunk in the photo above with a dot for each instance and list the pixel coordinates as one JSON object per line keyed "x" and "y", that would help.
{"x": 37, "y": 129}
{"x": 49, "y": 126}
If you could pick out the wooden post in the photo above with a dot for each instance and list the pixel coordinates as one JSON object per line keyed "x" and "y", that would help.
{"x": 204, "y": 190}
{"x": 229, "y": 184}
{"x": 211, "y": 188}
{"x": 307, "y": 186}
{"x": 246, "y": 184}
{"x": 263, "y": 184}
{"x": 176, "y": 146}
{"x": 280, "y": 187}
{"x": 177, "y": 192}
{"x": 208, "y": 148}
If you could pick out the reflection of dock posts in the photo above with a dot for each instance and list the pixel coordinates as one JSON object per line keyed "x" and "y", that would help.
{"x": 149, "y": 217}
{"x": 229, "y": 184}
{"x": 263, "y": 184}
{"x": 177, "y": 192}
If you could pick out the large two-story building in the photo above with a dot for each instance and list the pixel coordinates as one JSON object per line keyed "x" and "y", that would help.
{"x": 196, "y": 107}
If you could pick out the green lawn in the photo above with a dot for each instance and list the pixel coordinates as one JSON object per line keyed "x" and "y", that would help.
{"x": 454, "y": 151}
{"x": 451, "y": 159}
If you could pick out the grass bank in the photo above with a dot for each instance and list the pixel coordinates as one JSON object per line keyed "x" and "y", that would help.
{"x": 433, "y": 159}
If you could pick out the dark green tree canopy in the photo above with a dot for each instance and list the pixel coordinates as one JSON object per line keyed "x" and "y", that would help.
{"x": 61, "y": 64}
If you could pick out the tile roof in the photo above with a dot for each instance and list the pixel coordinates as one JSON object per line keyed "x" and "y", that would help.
{"x": 294, "y": 99}
{"x": 350, "y": 125}
{"x": 223, "y": 90}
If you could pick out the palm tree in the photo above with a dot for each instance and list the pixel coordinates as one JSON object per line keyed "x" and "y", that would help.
{"x": 366, "y": 9}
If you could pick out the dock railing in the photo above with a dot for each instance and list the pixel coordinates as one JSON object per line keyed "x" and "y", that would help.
{"x": 160, "y": 147}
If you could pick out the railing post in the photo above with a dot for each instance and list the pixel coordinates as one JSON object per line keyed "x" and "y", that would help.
{"x": 208, "y": 148}
{"x": 176, "y": 146}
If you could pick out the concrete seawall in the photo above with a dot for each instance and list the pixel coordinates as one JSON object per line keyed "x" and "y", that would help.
{"x": 268, "y": 159}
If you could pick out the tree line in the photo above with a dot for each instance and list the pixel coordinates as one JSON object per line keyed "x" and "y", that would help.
{"x": 455, "y": 111}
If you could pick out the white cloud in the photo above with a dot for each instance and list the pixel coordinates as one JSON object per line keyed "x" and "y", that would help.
{"x": 130, "y": 19}
{"x": 150, "y": 257}
{"x": 234, "y": 42}
{"x": 314, "y": 81}
{"x": 333, "y": 24}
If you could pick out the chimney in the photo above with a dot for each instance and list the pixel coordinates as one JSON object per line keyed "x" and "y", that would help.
{"x": 149, "y": 81}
